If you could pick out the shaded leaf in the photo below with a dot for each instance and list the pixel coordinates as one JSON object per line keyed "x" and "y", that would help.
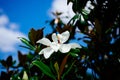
{"x": 5, "y": 76}
{"x": 81, "y": 25}
{"x": 35, "y": 35}
{"x": 3, "y": 62}
{"x": 78, "y": 5}
{"x": 98, "y": 27}
{"x": 22, "y": 58}
{"x": 44, "y": 68}
{"x": 52, "y": 23}
{"x": 64, "y": 74}
{"x": 9, "y": 61}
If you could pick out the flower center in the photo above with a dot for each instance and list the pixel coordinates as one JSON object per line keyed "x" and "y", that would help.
{"x": 55, "y": 46}
{"x": 58, "y": 39}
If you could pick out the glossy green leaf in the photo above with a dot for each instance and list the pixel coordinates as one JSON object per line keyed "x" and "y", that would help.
{"x": 78, "y": 5}
{"x": 44, "y": 68}
{"x": 73, "y": 54}
{"x": 27, "y": 43}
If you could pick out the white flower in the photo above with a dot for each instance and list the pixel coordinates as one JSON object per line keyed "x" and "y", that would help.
{"x": 57, "y": 44}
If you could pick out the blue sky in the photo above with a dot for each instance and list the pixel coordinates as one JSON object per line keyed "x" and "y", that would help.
{"x": 17, "y": 17}
{"x": 27, "y": 13}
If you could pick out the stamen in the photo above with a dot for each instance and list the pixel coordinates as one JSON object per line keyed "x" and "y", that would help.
{"x": 58, "y": 39}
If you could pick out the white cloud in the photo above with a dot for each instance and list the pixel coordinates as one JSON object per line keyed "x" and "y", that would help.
{"x": 8, "y": 34}
{"x": 14, "y": 26}
{"x": 3, "y": 20}
{"x": 61, "y": 6}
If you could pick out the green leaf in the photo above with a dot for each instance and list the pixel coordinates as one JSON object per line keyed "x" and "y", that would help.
{"x": 25, "y": 47}
{"x": 27, "y": 43}
{"x": 57, "y": 69}
{"x": 68, "y": 70}
{"x": 74, "y": 18}
{"x": 44, "y": 68}
{"x": 82, "y": 19}
{"x": 74, "y": 52}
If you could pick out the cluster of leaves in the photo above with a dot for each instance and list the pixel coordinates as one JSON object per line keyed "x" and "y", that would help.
{"x": 100, "y": 26}
{"x": 103, "y": 51}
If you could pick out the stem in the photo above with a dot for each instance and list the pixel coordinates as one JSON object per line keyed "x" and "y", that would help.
{"x": 58, "y": 77}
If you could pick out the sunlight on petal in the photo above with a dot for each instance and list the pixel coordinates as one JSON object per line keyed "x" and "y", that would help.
{"x": 55, "y": 46}
{"x": 64, "y": 48}
{"x": 54, "y": 37}
{"x": 42, "y": 51}
{"x": 64, "y": 36}
{"x": 47, "y": 52}
{"x": 44, "y": 41}
{"x": 75, "y": 45}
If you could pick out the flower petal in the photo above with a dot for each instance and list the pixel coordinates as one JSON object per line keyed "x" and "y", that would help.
{"x": 64, "y": 48}
{"x": 55, "y": 46}
{"x": 44, "y": 41}
{"x": 47, "y": 52}
{"x": 42, "y": 51}
{"x": 75, "y": 45}
{"x": 54, "y": 37}
{"x": 64, "y": 36}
